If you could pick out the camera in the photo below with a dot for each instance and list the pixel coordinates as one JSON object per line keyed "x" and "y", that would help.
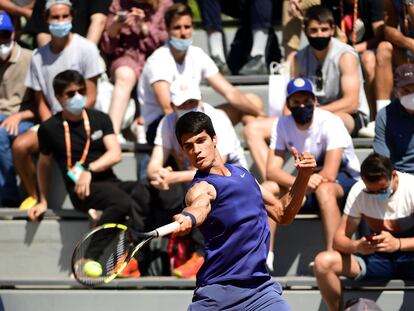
{"x": 122, "y": 16}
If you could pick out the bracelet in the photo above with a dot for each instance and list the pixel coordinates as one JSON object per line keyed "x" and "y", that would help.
{"x": 399, "y": 247}
{"x": 193, "y": 219}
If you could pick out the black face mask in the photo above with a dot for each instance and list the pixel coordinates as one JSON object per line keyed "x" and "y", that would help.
{"x": 302, "y": 115}
{"x": 319, "y": 43}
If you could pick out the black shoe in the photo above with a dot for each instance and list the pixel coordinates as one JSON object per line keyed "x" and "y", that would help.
{"x": 255, "y": 66}
{"x": 223, "y": 68}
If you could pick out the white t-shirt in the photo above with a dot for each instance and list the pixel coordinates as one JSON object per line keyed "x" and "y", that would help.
{"x": 228, "y": 144}
{"x": 326, "y": 132}
{"x": 161, "y": 65}
{"x": 80, "y": 54}
{"x": 394, "y": 215}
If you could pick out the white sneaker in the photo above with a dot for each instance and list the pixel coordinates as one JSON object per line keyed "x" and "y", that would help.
{"x": 368, "y": 131}
{"x": 121, "y": 139}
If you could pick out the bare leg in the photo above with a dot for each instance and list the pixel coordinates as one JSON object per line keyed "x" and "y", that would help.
{"x": 328, "y": 266}
{"x": 327, "y": 194}
{"x": 257, "y": 135}
{"x": 368, "y": 67}
{"x": 125, "y": 80}
{"x": 24, "y": 147}
{"x": 383, "y": 71}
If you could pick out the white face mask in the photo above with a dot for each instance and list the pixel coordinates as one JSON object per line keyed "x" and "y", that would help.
{"x": 5, "y": 50}
{"x": 408, "y": 101}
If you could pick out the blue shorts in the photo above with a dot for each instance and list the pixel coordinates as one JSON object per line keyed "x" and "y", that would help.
{"x": 344, "y": 180}
{"x": 385, "y": 266}
{"x": 263, "y": 295}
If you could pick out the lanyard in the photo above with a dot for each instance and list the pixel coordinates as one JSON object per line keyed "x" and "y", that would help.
{"x": 354, "y": 20}
{"x": 87, "y": 127}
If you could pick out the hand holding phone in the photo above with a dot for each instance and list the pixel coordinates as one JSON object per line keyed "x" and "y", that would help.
{"x": 370, "y": 238}
{"x": 122, "y": 16}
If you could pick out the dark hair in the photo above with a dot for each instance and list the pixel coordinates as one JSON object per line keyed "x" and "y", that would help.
{"x": 194, "y": 122}
{"x": 376, "y": 167}
{"x": 320, "y": 14}
{"x": 47, "y": 12}
{"x": 177, "y": 10}
{"x": 64, "y": 78}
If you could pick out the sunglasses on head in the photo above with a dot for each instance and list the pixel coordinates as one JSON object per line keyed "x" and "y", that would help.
{"x": 70, "y": 94}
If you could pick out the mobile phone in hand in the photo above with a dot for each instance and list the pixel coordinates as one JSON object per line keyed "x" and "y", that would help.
{"x": 370, "y": 237}
{"x": 122, "y": 16}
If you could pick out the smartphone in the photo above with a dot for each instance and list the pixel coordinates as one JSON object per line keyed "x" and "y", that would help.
{"x": 370, "y": 237}
{"x": 122, "y": 16}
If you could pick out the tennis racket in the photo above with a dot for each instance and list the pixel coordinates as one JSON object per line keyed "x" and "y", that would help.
{"x": 105, "y": 251}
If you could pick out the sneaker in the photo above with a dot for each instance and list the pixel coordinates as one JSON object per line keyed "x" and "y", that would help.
{"x": 222, "y": 66}
{"x": 255, "y": 66}
{"x": 28, "y": 203}
{"x": 121, "y": 139}
{"x": 131, "y": 270}
{"x": 368, "y": 131}
{"x": 190, "y": 268}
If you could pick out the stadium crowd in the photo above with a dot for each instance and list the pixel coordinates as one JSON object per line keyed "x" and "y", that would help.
{"x": 70, "y": 70}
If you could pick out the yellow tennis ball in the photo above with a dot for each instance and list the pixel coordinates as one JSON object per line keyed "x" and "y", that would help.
{"x": 92, "y": 269}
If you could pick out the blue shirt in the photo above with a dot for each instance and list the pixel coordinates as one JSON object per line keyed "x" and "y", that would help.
{"x": 394, "y": 136}
{"x": 236, "y": 231}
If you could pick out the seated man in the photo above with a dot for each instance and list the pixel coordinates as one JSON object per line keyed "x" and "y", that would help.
{"x": 394, "y": 126}
{"x": 323, "y": 135}
{"x": 83, "y": 143}
{"x": 179, "y": 61}
{"x": 384, "y": 200}
{"x": 16, "y": 106}
{"x": 168, "y": 182}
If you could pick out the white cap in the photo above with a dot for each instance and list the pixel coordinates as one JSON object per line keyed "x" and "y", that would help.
{"x": 50, "y": 3}
{"x": 182, "y": 91}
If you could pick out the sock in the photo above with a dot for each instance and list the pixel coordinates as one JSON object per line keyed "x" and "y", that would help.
{"x": 259, "y": 42}
{"x": 215, "y": 42}
{"x": 381, "y": 103}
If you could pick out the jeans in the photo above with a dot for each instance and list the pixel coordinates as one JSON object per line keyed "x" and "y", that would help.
{"x": 9, "y": 193}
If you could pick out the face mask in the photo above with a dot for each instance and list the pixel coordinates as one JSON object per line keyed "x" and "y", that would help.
{"x": 302, "y": 115}
{"x": 180, "y": 44}
{"x": 181, "y": 112}
{"x": 75, "y": 104}
{"x": 60, "y": 29}
{"x": 319, "y": 43}
{"x": 5, "y": 50}
{"x": 408, "y": 101}
{"x": 382, "y": 197}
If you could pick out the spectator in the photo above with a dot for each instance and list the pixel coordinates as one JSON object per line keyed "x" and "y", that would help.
{"x": 179, "y": 61}
{"x": 168, "y": 182}
{"x": 384, "y": 200}
{"x": 334, "y": 69}
{"x": 256, "y": 16}
{"x": 16, "y": 106}
{"x": 89, "y": 18}
{"x": 66, "y": 50}
{"x": 396, "y": 50}
{"x": 17, "y": 8}
{"x": 83, "y": 143}
{"x": 133, "y": 31}
{"x": 319, "y": 132}
{"x": 394, "y": 126}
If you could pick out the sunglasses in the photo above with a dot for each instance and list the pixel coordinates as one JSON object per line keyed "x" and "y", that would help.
{"x": 319, "y": 79}
{"x": 70, "y": 94}
{"x": 375, "y": 192}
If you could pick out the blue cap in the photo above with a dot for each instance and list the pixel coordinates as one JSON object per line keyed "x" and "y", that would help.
{"x": 299, "y": 85}
{"x": 6, "y": 23}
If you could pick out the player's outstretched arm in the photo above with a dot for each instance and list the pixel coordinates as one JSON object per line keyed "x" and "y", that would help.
{"x": 291, "y": 202}
{"x": 198, "y": 200}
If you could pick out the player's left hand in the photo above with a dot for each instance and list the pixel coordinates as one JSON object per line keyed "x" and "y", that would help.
{"x": 304, "y": 162}
{"x": 185, "y": 224}
{"x": 386, "y": 242}
{"x": 82, "y": 186}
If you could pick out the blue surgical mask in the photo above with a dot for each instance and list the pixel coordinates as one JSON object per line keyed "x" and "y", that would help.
{"x": 382, "y": 197}
{"x": 60, "y": 29}
{"x": 180, "y": 44}
{"x": 75, "y": 104}
{"x": 302, "y": 115}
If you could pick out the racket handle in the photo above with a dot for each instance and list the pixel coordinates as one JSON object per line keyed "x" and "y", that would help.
{"x": 167, "y": 229}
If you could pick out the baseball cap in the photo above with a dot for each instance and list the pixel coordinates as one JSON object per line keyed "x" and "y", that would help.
{"x": 50, "y": 3}
{"x": 299, "y": 85}
{"x": 6, "y": 23}
{"x": 181, "y": 92}
{"x": 404, "y": 75}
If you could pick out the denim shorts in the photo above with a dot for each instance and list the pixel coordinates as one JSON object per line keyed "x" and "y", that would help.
{"x": 343, "y": 179}
{"x": 385, "y": 266}
{"x": 263, "y": 295}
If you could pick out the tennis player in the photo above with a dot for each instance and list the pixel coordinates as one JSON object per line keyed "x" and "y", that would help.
{"x": 230, "y": 207}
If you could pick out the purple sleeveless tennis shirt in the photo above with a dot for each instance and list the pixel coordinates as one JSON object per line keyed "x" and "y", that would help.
{"x": 236, "y": 231}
